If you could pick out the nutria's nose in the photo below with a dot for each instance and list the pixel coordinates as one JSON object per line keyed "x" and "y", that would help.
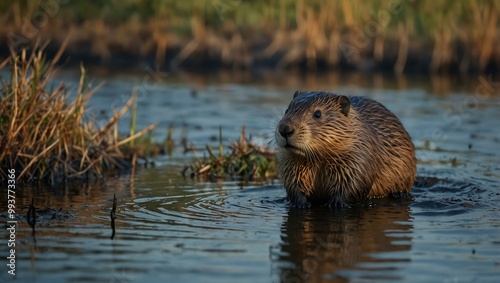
{"x": 285, "y": 129}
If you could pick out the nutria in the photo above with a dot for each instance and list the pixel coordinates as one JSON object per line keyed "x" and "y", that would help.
{"x": 335, "y": 150}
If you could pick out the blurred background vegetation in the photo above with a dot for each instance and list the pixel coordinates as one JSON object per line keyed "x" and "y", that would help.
{"x": 388, "y": 35}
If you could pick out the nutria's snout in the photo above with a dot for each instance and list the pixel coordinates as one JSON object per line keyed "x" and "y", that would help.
{"x": 285, "y": 129}
{"x": 284, "y": 133}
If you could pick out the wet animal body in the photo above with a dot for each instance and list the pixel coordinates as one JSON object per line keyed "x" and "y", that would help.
{"x": 334, "y": 150}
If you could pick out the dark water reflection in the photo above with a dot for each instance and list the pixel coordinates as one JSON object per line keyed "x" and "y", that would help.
{"x": 321, "y": 243}
{"x": 172, "y": 229}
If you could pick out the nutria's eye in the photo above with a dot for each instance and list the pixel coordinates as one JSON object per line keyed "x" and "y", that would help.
{"x": 286, "y": 111}
{"x": 317, "y": 114}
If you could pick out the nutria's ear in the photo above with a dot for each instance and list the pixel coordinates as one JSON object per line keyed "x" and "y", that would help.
{"x": 345, "y": 104}
{"x": 297, "y": 93}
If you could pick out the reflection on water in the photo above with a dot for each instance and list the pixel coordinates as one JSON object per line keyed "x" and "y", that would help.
{"x": 439, "y": 84}
{"x": 323, "y": 243}
{"x": 172, "y": 229}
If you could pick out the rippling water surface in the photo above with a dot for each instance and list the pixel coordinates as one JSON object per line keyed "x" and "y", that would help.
{"x": 175, "y": 229}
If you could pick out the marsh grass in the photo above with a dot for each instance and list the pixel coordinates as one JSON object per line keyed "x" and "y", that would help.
{"x": 425, "y": 34}
{"x": 46, "y": 133}
{"x": 246, "y": 160}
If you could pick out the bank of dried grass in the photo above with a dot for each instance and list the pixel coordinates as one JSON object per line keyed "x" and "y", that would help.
{"x": 46, "y": 134}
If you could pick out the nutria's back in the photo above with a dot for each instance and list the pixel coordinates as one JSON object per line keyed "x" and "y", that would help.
{"x": 338, "y": 150}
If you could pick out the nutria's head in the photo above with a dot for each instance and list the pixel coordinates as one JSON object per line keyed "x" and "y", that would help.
{"x": 316, "y": 124}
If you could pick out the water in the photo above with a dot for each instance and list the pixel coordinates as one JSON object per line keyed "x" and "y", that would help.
{"x": 175, "y": 229}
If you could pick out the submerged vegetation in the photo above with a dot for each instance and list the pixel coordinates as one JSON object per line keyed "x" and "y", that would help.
{"x": 399, "y": 35}
{"x": 46, "y": 132}
{"x": 246, "y": 160}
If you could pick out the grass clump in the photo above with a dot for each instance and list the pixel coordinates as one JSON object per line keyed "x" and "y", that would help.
{"x": 246, "y": 160}
{"x": 46, "y": 134}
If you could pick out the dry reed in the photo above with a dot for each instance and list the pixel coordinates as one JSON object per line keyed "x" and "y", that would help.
{"x": 46, "y": 133}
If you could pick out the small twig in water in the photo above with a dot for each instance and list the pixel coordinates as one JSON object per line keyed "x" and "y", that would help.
{"x": 113, "y": 216}
{"x": 31, "y": 218}
{"x": 31, "y": 215}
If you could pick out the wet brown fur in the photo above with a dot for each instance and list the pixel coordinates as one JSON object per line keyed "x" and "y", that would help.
{"x": 349, "y": 154}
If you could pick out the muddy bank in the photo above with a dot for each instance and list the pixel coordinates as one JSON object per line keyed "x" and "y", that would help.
{"x": 242, "y": 51}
